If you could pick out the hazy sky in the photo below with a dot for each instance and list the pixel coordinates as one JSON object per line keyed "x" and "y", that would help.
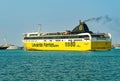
{"x": 21, "y": 16}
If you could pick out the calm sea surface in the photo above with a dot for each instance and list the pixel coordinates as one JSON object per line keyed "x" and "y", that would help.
{"x": 20, "y": 65}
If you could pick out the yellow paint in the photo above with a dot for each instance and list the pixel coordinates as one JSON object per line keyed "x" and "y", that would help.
{"x": 101, "y": 46}
{"x": 80, "y": 27}
{"x": 68, "y": 46}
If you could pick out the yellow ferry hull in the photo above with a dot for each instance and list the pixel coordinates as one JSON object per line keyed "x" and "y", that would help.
{"x": 68, "y": 46}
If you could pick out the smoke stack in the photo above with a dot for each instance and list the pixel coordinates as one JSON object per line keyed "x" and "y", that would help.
{"x": 80, "y": 22}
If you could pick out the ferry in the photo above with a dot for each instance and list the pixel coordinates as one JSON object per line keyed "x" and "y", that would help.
{"x": 79, "y": 39}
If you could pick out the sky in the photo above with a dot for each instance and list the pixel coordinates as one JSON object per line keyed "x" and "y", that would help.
{"x": 21, "y": 16}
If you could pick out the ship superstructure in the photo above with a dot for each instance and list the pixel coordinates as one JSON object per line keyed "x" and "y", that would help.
{"x": 79, "y": 39}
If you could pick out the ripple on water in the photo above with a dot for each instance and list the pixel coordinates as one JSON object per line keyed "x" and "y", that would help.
{"x": 59, "y": 66}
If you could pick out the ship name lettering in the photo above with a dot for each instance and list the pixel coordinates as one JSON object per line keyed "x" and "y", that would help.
{"x": 44, "y": 45}
{"x": 69, "y": 44}
{"x": 50, "y": 45}
{"x": 37, "y": 45}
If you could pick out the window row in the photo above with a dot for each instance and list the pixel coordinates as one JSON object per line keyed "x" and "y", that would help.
{"x": 57, "y": 37}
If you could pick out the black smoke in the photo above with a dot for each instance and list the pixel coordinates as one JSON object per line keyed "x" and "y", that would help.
{"x": 104, "y": 19}
{"x": 106, "y": 24}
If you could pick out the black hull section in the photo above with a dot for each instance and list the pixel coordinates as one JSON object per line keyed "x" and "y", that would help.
{"x": 3, "y": 48}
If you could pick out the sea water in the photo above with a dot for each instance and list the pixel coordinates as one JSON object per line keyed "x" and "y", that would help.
{"x": 20, "y": 65}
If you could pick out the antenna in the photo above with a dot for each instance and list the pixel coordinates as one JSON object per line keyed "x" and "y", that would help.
{"x": 39, "y": 28}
